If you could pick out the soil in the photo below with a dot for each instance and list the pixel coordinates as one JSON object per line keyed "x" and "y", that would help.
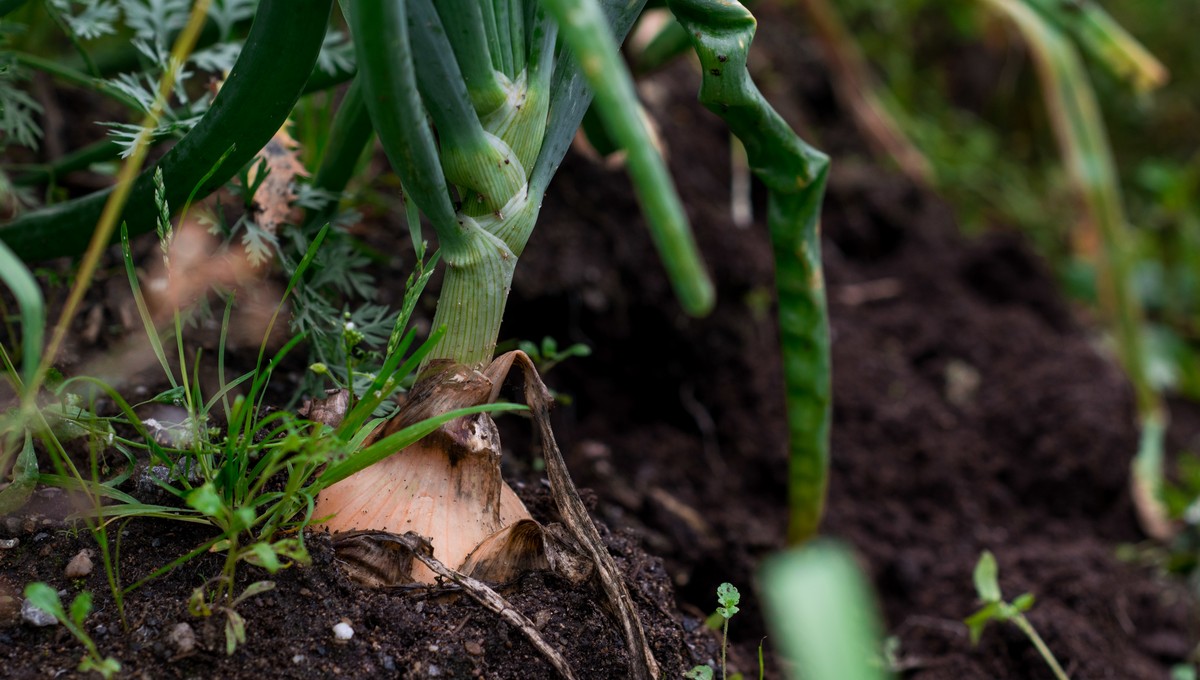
{"x": 973, "y": 410}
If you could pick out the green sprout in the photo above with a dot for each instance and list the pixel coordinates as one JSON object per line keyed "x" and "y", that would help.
{"x": 987, "y": 586}
{"x": 46, "y": 598}
{"x": 728, "y": 598}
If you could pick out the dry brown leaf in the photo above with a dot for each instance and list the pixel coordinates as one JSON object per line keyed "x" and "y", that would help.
{"x": 273, "y": 198}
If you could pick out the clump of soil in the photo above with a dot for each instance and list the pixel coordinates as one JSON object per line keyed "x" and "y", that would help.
{"x": 418, "y": 632}
{"x": 972, "y": 411}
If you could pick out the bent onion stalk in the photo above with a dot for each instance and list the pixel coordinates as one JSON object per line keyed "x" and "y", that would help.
{"x": 795, "y": 175}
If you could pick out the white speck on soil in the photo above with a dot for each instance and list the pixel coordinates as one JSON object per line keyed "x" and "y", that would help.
{"x": 342, "y": 631}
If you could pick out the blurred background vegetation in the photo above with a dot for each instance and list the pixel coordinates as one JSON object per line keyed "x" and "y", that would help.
{"x": 960, "y": 84}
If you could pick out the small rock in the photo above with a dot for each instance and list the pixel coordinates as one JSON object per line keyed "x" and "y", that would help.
{"x": 389, "y": 663}
{"x": 342, "y": 631}
{"x": 40, "y": 536}
{"x": 473, "y": 648}
{"x": 37, "y": 617}
{"x": 12, "y": 525}
{"x": 9, "y": 543}
{"x": 435, "y": 670}
{"x": 299, "y": 659}
{"x": 80, "y": 566}
{"x": 10, "y": 610}
{"x": 183, "y": 638}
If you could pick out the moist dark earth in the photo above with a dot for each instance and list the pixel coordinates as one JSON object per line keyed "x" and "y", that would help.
{"x": 974, "y": 409}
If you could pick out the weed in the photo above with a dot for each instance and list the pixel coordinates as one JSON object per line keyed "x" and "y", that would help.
{"x": 46, "y": 598}
{"x": 728, "y": 599}
{"x": 987, "y": 586}
{"x": 203, "y": 603}
{"x": 547, "y": 355}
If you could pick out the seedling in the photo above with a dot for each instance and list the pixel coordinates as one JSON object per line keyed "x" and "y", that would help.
{"x": 46, "y": 598}
{"x": 200, "y": 604}
{"x": 547, "y": 355}
{"x": 987, "y": 586}
{"x": 728, "y": 598}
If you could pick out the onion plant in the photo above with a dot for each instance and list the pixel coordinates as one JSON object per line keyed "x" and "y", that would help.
{"x": 475, "y": 104}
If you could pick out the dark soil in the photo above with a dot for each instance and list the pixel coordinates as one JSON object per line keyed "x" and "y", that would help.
{"x": 972, "y": 411}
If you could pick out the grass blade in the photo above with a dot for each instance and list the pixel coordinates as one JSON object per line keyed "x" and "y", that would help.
{"x": 33, "y": 310}
{"x": 795, "y": 175}
{"x": 361, "y": 460}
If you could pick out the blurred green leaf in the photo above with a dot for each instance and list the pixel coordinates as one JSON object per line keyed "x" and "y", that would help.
{"x": 801, "y": 589}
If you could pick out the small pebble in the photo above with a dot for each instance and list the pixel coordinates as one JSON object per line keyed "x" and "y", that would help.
{"x": 9, "y": 543}
{"x": 80, "y": 566}
{"x": 434, "y": 670}
{"x": 41, "y": 536}
{"x": 473, "y": 648}
{"x": 389, "y": 663}
{"x": 13, "y": 525}
{"x": 183, "y": 638}
{"x": 37, "y": 617}
{"x": 298, "y": 659}
{"x": 342, "y": 631}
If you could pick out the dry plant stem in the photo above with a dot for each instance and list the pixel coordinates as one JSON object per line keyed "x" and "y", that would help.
{"x": 479, "y": 592}
{"x": 1083, "y": 142}
{"x": 856, "y": 89}
{"x": 574, "y": 515}
{"x": 116, "y": 201}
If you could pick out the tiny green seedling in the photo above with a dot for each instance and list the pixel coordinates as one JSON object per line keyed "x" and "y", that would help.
{"x": 201, "y": 605}
{"x": 987, "y": 585}
{"x": 46, "y": 598}
{"x": 728, "y": 598}
{"x": 547, "y": 355}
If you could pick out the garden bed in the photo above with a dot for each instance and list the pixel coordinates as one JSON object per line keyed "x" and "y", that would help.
{"x": 972, "y": 411}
